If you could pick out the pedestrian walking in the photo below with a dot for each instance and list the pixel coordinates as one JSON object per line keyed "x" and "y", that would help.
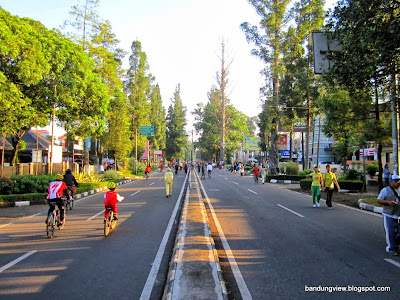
{"x": 316, "y": 186}
{"x": 241, "y": 169}
{"x": 203, "y": 171}
{"x": 168, "y": 179}
{"x": 263, "y": 173}
{"x": 386, "y": 174}
{"x": 390, "y": 199}
{"x": 329, "y": 179}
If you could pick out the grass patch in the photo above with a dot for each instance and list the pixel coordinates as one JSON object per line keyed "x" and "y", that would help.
{"x": 372, "y": 201}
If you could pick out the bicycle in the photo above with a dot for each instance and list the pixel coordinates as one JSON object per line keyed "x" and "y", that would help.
{"x": 110, "y": 222}
{"x": 53, "y": 221}
{"x": 69, "y": 201}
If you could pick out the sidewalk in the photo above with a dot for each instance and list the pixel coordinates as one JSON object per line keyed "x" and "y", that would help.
{"x": 195, "y": 272}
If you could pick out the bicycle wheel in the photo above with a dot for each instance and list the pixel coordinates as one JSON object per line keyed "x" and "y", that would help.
{"x": 113, "y": 223}
{"x": 107, "y": 225}
{"x": 50, "y": 226}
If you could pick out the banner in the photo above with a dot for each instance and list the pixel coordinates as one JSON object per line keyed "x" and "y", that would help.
{"x": 252, "y": 144}
{"x": 282, "y": 141}
{"x": 146, "y": 151}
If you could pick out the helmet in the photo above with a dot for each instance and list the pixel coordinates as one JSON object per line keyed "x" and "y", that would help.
{"x": 111, "y": 185}
{"x": 59, "y": 176}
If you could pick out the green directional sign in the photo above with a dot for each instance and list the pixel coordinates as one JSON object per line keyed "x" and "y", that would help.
{"x": 146, "y": 130}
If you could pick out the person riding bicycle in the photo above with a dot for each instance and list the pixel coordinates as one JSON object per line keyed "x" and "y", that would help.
{"x": 111, "y": 198}
{"x": 57, "y": 189}
{"x": 70, "y": 182}
{"x": 147, "y": 171}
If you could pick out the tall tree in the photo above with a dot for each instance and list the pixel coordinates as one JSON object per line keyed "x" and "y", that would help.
{"x": 176, "y": 122}
{"x": 269, "y": 49}
{"x": 157, "y": 115}
{"x": 137, "y": 87}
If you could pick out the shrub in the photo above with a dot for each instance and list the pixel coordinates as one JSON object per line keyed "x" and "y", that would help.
{"x": 372, "y": 169}
{"x": 352, "y": 185}
{"x": 6, "y": 186}
{"x": 292, "y": 168}
{"x": 353, "y": 174}
{"x": 305, "y": 172}
{"x": 305, "y": 184}
{"x": 285, "y": 177}
{"x": 24, "y": 184}
{"x": 132, "y": 166}
{"x": 111, "y": 174}
{"x": 34, "y": 198}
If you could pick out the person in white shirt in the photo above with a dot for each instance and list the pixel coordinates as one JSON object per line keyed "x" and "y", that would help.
{"x": 209, "y": 170}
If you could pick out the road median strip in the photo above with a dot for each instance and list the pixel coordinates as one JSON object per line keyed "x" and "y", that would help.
{"x": 194, "y": 271}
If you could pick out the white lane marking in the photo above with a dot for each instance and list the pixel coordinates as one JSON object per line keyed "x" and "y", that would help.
{"x": 225, "y": 177}
{"x": 85, "y": 197}
{"x": 252, "y": 191}
{"x": 35, "y": 215}
{"x": 14, "y": 262}
{"x": 8, "y": 224}
{"x": 135, "y": 193}
{"x": 392, "y": 262}
{"x": 4, "y": 225}
{"x": 235, "y": 183}
{"x": 244, "y": 291}
{"x": 148, "y": 287}
{"x": 91, "y": 218}
{"x": 297, "y": 214}
{"x": 151, "y": 183}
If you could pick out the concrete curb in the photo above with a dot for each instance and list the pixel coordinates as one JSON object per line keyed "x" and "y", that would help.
{"x": 369, "y": 207}
{"x": 284, "y": 181}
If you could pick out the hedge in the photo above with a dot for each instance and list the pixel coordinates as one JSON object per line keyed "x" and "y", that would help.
{"x": 286, "y": 177}
{"x": 352, "y": 185}
{"x": 34, "y": 198}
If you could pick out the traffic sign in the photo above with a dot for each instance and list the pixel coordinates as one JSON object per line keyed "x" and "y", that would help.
{"x": 224, "y": 145}
{"x": 285, "y": 153}
{"x": 146, "y": 130}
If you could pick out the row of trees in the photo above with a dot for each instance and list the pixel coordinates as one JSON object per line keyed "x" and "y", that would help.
{"x": 78, "y": 78}
{"x": 352, "y": 95}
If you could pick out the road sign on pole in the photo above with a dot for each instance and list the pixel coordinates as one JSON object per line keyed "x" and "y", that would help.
{"x": 146, "y": 130}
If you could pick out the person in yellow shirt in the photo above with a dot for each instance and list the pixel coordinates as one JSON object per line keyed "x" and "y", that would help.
{"x": 330, "y": 181}
{"x": 168, "y": 179}
{"x": 317, "y": 184}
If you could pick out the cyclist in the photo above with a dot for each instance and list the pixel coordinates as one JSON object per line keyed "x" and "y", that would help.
{"x": 147, "y": 171}
{"x": 70, "y": 182}
{"x": 57, "y": 189}
{"x": 111, "y": 198}
{"x": 256, "y": 172}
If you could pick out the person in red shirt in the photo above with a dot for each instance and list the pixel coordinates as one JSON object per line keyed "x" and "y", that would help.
{"x": 57, "y": 189}
{"x": 256, "y": 172}
{"x": 111, "y": 198}
{"x": 147, "y": 171}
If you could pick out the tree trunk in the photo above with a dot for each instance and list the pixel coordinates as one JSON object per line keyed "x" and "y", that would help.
{"x": 273, "y": 151}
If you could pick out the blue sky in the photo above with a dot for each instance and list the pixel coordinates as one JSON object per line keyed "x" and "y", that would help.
{"x": 181, "y": 39}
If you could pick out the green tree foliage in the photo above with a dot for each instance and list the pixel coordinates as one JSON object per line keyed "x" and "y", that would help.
{"x": 268, "y": 44}
{"x": 44, "y": 71}
{"x": 137, "y": 88}
{"x": 117, "y": 138}
{"x": 176, "y": 122}
{"x": 208, "y": 126}
{"x": 157, "y": 116}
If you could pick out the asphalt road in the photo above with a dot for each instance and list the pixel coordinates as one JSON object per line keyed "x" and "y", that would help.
{"x": 283, "y": 246}
{"x": 80, "y": 263}
{"x": 272, "y": 245}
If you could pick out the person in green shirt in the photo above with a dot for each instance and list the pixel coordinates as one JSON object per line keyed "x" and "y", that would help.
{"x": 330, "y": 181}
{"x": 317, "y": 184}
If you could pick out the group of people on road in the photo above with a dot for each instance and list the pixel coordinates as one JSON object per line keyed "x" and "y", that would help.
{"x": 323, "y": 182}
